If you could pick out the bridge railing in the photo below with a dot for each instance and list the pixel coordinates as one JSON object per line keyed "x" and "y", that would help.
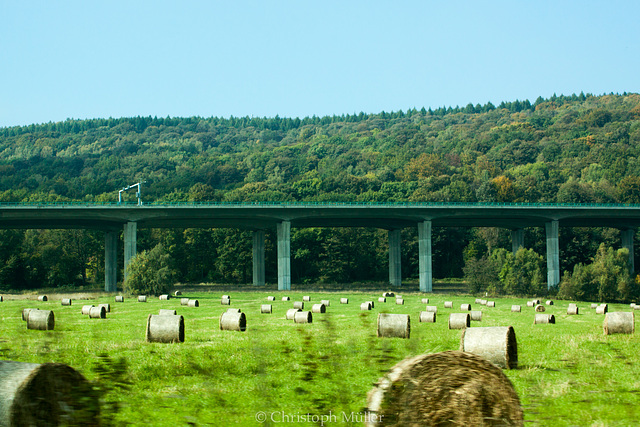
{"x": 316, "y": 204}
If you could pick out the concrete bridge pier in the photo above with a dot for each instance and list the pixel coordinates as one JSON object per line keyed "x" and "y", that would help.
{"x": 395, "y": 263}
{"x": 517, "y": 239}
{"x": 424, "y": 256}
{"x": 283, "y": 232}
{"x": 130, "y": 244}
{"x": 627, "y": 243}
{"x": 110, "y": 261}
{"x": 553, "y": 254}
{"x": 258, "y": 258}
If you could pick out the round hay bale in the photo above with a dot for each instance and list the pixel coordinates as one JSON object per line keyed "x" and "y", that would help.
{"x": 637, "y": 307}
{"x": 382, "y": 299}
{"x": 394, "y": 325}
{"x": 107, "y": 307}
{"x": 602, "y": 309}
{"x": 483, "y": 302}
{"x": 540, "y": 308}
{"x": 459, "y": 320}
{"x": 266, "y": 309}
{"x": 167, "y": 312}
{"x": 142, "y": 298}
{"x": 65, "y": 301}
{"x": 298, "y": 304}
{"x": 271, "y": 298}
{"x": 326, "y": 302}
{"x": 388, "y": 294}
{"x": 177, "y": 293}
{"x": 233, "y": 321}
{"x": 184, "y": 301}
{"x": 41, "y": 320}
{"x": 98, "y": 313}
{"x": 531, "y": 304}
{"x": 491, "y": 303}
{"x": 536, "y": 302}
{"x": 303, "y": 317}
{"x": 1, "y": 298}
{"x": 572, "y": 309}
{"x": 477, "y": 301}
{"x": 465, "y": 307}
{"x": 448, "y": 304}
{"x": 344, "y": 300}
{"x": 432, "y": 308}
{"x": 225, "y": 301}
{"x": 193, "y": 303}
{"x": 365, "y": 306}
{"x": 448, "y": 388}
{"x": 516, "y": 309}
{"x": 42, "y": 298}
{"x": 318, "y": 308}
{"x": 372, "y": 304}
{"x": 424, "y": 300}
{"x": 594, "y": 305}
{"x": 49, "y": 394}
{"x": 496, "y": 344}
{"x": 25, "y": 313}
{"x": 86, "y": 309}
{"x": 618, "y": 322}
{"x": 475, "y": 315}
{"x": 428, "y": 316}
{"x": 542, "y": 319}
{"x": 631, "y": 306}
{"x": 399, "y": 301}
{"x": 306, "y": 298}
{"x": 285, "y": 298}
{"x": 225, "y": 296}
{"x": 164, "y": 297}
{"x": 119, "y": 298}
{"x": 291, "y": 313}
{"x": 165, "y": 328}
{"x": 549, "y": 302}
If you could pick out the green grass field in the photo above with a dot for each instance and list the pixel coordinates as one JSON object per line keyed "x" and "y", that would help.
{"x": 569, "y": 374}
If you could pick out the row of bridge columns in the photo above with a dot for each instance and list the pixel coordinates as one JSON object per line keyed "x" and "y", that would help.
{"x": 283, "y": 234}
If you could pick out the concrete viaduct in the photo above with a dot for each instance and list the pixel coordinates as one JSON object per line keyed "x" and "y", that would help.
{"x": 112, "y": 218}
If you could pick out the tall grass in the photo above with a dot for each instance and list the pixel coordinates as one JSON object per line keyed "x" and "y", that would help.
{"x": 569, "y": 373}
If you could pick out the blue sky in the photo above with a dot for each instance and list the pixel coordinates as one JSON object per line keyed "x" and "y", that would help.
{"x": 296, "y": 58}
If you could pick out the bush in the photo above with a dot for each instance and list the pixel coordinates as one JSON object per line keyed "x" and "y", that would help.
{"x": 524, "y": 273}
{"x": 148, "y": 273}
{"x": 481, "y": 274}
{"x": 607, "y": 278}
{"x": 504, "y": 273}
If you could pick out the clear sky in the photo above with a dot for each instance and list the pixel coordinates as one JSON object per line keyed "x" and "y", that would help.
{"x": 82, "y": 59}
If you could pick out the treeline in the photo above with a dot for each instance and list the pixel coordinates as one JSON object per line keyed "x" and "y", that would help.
{"x": 563, "y": 149}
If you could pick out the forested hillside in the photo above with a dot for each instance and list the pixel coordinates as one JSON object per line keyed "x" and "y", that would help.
{"x": 578, "y": 149}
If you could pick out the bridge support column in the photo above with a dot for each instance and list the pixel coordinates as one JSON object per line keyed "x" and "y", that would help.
{"x": 395, "y": 264}
{"x": 517, "y": 240}
{"x": 110, "y": 261}
{"x": 424, "y": 256}
{"x": 284, "y": 255}
{"x": 553, "y": 254}
{"x": 130, "y": 244}
{"x": 627, "y": 243}
{"x": 258, "y": 258}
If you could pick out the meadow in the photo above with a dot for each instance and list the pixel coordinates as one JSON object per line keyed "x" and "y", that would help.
{"x": 281, "y": 373}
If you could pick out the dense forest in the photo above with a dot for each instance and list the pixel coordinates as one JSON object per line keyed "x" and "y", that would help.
{"x": 564, "y": 149}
